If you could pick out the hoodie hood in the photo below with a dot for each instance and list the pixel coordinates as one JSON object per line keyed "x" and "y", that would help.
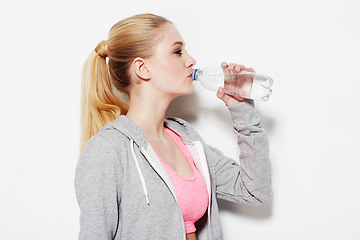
{"x": 128, "y": 128}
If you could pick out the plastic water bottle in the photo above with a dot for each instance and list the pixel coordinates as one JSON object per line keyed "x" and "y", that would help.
{"x": 244, "y": 84}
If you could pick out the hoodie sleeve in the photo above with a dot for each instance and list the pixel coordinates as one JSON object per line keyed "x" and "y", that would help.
{"x": 97, "y": 186}
{"x": 249, "y": 181}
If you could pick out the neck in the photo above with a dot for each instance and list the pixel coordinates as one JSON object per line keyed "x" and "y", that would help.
{"x": 148, "y": 112}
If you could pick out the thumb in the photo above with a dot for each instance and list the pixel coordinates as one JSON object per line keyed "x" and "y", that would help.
{"x": 221, "y": 93}
{"x": 228, "y": 100}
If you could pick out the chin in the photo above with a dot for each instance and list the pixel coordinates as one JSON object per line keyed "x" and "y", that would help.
{"x": 190, "y": 89}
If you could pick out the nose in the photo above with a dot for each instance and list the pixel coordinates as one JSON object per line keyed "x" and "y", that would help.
{"x": 190, "y": 62}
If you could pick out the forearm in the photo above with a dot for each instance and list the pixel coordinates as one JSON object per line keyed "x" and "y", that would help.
{"x": 254, "y": 146}
{"x": 250, "y": 181}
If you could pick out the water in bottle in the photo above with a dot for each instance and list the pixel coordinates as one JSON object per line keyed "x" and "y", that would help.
{"x": 244, "y": 84}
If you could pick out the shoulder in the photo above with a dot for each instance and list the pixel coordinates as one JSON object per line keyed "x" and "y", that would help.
{"x": 99, "y": 168}
{"x": 103, "y": 150}
{"x": 106, "y": 140}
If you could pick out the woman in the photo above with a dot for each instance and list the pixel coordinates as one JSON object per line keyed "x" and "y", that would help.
{"x": 142, "y": 176}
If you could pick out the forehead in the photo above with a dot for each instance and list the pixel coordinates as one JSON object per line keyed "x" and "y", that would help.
{"x": 170, "y": 35}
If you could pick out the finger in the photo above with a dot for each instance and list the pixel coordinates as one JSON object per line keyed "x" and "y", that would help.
{"x": 250, "y": 69}
{"x": 220, "y": 93}
{"x": 229, "y": 101}
{"x": 232, "y": 66}
{"x": 225, "y": 66}
{"x": 239, "y": 68}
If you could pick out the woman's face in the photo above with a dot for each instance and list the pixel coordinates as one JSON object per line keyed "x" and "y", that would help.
{"x": 171, "y": 65}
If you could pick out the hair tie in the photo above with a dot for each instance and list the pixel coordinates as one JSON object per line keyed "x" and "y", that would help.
{"x": 101, "y": 49}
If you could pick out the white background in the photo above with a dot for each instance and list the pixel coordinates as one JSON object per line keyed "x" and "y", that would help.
{"x": 309, "y": 47}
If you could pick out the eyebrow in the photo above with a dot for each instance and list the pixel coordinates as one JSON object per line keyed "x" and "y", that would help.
{"x": 177, "y": 43}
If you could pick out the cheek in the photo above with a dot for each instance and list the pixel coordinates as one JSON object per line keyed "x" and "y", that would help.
{"x": 164, "y": 68}
{"x": 168, "y": 70}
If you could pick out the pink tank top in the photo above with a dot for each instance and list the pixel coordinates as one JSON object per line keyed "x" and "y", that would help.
{"x": 192, "y": 194}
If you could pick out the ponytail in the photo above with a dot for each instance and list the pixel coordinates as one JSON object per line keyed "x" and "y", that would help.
{"x": 99, "y": 104}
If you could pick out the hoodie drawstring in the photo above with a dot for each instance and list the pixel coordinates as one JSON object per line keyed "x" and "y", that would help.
{"x": 139, "y": 171}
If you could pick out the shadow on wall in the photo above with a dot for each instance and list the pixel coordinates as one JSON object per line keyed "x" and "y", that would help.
{"x": 249, "y": 211}
{"x": 187, "y": 108}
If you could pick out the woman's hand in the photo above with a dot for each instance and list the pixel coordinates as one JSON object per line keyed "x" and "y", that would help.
{"x": 229, "y": 100}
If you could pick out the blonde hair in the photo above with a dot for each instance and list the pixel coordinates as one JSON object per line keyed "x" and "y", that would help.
{"x": 128, "y": 39}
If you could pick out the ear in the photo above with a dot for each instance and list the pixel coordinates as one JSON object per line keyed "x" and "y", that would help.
{"x": 140, "y": 69}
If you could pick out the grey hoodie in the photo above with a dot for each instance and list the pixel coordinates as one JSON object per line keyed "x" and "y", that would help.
{"x": 124, "y": 192}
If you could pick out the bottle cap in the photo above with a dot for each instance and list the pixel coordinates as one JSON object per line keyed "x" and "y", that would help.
{"x": 195, "y": 74}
